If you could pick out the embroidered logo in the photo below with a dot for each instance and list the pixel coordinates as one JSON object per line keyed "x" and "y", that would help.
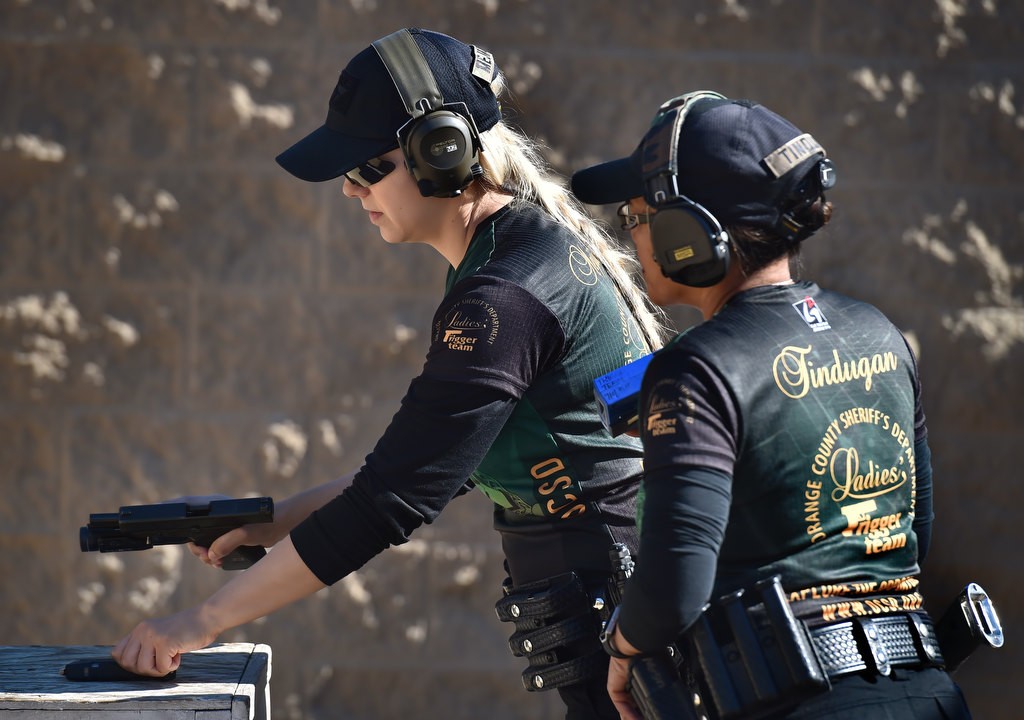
{"x": 812, "y": 314}
{"x": 470, "y": 321}
{"x": 581, "y": 266}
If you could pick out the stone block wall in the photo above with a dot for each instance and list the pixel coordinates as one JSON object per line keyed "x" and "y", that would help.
{"x": 178, "y": 315}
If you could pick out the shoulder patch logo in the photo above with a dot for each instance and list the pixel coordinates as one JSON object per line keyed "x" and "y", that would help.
{"x": 812, "y": 314}
{"x": 668, "y": 404}
{"x": 470, "y": 321}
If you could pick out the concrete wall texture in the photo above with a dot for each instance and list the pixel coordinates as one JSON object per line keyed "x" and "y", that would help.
{"x": 178, "y": 315}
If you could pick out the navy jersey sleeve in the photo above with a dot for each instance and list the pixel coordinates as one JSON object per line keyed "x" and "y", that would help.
{"x": 689, "y": 416}
{"x": 689, "y": 452}
{"x": 490, "y": 341}
{"x": 492, "y": 332}
{"x": 685, "y": 516}
{"x": 924, "y": 513}
{"x": 420, "y": 463}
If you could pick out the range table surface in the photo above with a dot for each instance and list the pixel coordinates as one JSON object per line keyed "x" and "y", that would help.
{"x": 227, "y": 681}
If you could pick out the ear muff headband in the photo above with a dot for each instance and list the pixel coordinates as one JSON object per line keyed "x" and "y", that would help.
{"x": 690, "y": 245}
{"x": 440, "y": 142}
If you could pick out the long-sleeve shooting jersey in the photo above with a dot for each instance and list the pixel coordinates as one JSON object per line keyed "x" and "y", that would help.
{"x": 505, "y": 401}
{"x": 785, "y": 436}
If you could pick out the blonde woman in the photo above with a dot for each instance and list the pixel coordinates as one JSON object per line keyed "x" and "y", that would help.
{"x": 538, "y": 302}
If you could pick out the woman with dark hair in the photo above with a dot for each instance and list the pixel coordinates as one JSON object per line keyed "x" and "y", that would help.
{"x": 783, "y": 436}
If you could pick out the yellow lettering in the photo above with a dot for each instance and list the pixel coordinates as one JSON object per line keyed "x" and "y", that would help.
{"x": 850, "y": 482}
{"x": 656, "y": 425}
{"x": 559, "y": 483}
{"x": 911, "y": 602}
{"x": 856, "y": 514}
{"x": 547, "y": 467}
{"x": 874, "y": 545}
{"x": 574, "y": 510}
{"x": 795, "y": 375}
{"x": 903, "y": 583}
{"x": 555, "y": 510}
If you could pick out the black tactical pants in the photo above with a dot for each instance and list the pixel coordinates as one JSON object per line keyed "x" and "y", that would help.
{"x": 928, "y": 694}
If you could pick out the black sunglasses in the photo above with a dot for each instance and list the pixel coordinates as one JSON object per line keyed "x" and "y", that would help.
{"x": 370, "y": 172}
{"x": 629, "y": 220}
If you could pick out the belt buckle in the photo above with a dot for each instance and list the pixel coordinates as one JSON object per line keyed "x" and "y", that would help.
{"x": 871, "y": 645}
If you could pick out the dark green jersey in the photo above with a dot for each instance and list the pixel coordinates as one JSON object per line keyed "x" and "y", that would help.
{"x": 792, "y": 418}
{"x": 505, "y": 400}
{"x": 530, "y": 313}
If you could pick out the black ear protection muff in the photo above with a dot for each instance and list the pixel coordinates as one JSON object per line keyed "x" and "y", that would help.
{"x": 810, "y": 189}
{"x": 690, "y": 245}
{"x": 440, "y": 142}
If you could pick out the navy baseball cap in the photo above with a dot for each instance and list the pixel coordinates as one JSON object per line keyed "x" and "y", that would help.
{"x": 737, "y": 158}
{"x": 365, "y": 110}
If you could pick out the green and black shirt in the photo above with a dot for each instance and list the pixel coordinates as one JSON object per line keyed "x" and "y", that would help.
{"x": 783, "y": 436}
{"x": 505, "y": 402}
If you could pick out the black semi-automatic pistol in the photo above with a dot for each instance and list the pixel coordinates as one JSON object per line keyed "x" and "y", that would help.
{"x": 140, "y": 527}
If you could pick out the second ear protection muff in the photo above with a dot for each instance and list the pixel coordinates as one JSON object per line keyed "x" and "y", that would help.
{"x": 690, "y": 246}
{"x": 440, "y": 142}
{"x": 821, "y": 178}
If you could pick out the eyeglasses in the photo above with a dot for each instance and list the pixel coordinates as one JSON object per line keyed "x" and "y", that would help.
{"x": 629, "y": 220}
{"x": 370, "y": 172}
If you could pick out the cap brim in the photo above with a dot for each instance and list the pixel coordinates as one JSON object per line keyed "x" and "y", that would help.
{"x": 610, "y": 182}
{"x": 325, "y": 154}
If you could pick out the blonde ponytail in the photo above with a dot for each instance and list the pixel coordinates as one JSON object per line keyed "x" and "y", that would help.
{"x": 512, "y": 163}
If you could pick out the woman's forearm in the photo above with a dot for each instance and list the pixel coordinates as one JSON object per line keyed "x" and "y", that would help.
{"x": 277, "y": 580}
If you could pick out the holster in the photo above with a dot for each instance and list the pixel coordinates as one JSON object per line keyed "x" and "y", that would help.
{"x": 557, "y": 626}
{"x": 658, "y": 688}
{"x": 747, "y": 656}
{"x": 970, "y": 622}
{"x": 751, "y": 657}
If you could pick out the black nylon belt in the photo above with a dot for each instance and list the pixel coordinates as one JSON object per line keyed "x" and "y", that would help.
{"x": 877, "y": 644}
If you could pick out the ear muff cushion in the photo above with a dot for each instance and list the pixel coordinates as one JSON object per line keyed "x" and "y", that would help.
{"x": 681, "y": 239}
{"x": 441, "y": 141}
{"x": 702, "y": 275}
{"x": 441, "y": 151}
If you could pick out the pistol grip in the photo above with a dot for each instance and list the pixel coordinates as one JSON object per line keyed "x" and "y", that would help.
{"x": 242, "y": 557}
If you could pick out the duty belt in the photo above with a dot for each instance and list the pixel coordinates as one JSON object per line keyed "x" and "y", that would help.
{"x": 877, "y": 644}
